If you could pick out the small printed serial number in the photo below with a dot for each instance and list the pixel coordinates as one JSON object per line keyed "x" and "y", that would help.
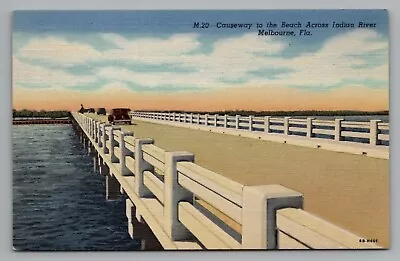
{"x": 369, "y": 240}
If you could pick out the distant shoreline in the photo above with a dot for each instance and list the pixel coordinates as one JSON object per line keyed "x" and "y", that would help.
{"x": 40, "y": 114}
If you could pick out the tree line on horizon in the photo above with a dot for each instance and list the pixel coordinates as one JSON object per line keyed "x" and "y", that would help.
{"x": 40, "y": 114}
{"x": 281, "y": 113}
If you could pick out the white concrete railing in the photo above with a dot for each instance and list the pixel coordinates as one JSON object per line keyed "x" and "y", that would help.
{"x": 165, "y": 188}
{"x": 374, "y": 131}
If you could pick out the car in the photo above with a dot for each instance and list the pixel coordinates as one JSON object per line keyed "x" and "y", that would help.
{"x": 101, "y": 111}
{"x": 91, "y": 110}
{"x": 119, "y": 115}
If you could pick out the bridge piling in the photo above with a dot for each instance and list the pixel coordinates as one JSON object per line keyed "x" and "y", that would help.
{"x": 103, "y": 168}
{"x": 112, "y": 187}
{"x": 95, "y": 162}
{"x": 140, "y": 231}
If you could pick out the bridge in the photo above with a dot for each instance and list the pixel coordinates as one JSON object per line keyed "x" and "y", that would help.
{"x": 239, "y": 193}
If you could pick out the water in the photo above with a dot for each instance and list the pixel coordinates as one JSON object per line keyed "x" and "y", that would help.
{"x": 58, "y": 201}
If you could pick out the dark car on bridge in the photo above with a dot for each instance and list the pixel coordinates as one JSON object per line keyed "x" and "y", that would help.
{"x": 91, "y": 110}
{"x": 101, "y": 111}
{"x": 120, "y": 115}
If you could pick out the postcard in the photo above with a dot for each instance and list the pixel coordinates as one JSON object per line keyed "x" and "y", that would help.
{"x": 200, "y": 130}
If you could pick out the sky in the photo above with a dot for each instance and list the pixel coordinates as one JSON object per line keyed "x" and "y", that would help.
{"x": 156, "y": 60}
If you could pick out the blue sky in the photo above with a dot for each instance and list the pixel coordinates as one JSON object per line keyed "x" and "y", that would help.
{"x": 160, "y": 51}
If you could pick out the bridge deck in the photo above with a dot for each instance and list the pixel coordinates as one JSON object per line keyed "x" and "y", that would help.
{"x": 351, "y": 191}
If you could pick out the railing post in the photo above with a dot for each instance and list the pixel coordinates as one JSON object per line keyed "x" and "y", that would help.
{"x": 89, "y": 127}
{"x": 92, "y": 128}
{"x": 99, "y": 134}
{"x": 250, "y": 123}
{"x": 95, "y": 131}
{"x": 198, "y": 118}
{"x": 114, "y": 159}
{"x": 141, "y": 166}
{"x": 173, "y": 116}
{"x": 310, "y": 127}
{"x": 286, "y": 125}
{"x": 173, "y": 193}
{"x": 225, "y": 121}
{"x": 103, "y": 130}
{"x": 191, "y": 118}
{"x": 267, "y": 124}
{"x": 374, "y": 132}
{"x": 124, "y": 152}
{"x": 338, "y": 129}
{"x": 206, "y": 119}
{"x": 237, "y": 122}
{"x": 260, "y": 203}
{"x": 215, "y": 120}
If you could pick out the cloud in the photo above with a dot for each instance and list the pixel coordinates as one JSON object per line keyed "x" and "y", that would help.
{"x": 335, "y": 63}
{"x": 230, "y": 62}
{"x": 233, "y": 59}
{"x": 25, "y": 74}
{"x": 58, "y": 50}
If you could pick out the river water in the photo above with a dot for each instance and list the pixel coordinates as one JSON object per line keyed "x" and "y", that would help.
{"x": 58, "y": 200}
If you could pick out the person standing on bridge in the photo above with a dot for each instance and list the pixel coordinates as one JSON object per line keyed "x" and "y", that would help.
{"x": 82, "y": 109}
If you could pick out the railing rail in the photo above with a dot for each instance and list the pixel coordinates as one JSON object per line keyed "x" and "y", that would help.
{"x": 374, "y": 132}
{"x": 164, "y": 186}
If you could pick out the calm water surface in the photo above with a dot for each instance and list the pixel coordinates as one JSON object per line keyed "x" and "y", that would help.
{"x": 58, "y": 200}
